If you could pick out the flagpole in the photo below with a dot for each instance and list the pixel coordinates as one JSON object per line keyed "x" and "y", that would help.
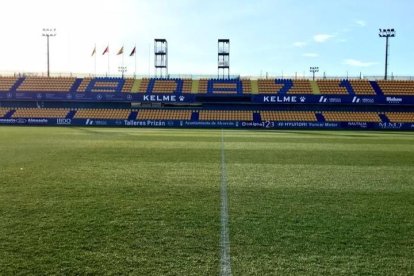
{"x": 123, "y": 61}
{"x": 108, "y": 61}
{"x": 149, "y": 60}
{"x": 95, "y": 59}
{"x": 135, "y": 57}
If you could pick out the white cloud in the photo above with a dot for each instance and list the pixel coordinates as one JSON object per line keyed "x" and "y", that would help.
{"x": 358, "y": 63}
{"x": 300, "y": 44}
{"x": 311, "y": 55}
{"x": 361, "y": 23}
{"x": 321, "y": 38}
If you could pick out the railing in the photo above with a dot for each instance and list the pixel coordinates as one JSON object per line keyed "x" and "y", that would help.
{"x": 196, "y": 76}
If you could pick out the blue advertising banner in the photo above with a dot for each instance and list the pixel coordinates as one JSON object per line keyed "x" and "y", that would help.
{"x": 206, "y": 124}
{"x": 333, "y": 99}
{"x": 190, "y": 98}
{"x": 97, "y": 97}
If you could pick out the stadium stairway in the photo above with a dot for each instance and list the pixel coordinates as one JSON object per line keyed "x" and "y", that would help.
{"x": 17, "y": 84}
{"x": 71, "y": 114}
{"x": 195, "y": 116}
{"x": 377, "y": 88}
{"x": 195, "y": 85}
{"x": 255, "y": 87}
{"x": 384, "y": 118}
{"x": 136, "y": 86}
{"x": 150, "y": 86}
{"x": 75, "y": 85}
{"x": 180, "y": 85}
{"x": 315, "y": 87}
{"x": 348, "y": 86}
{"x": 133, "y": 115}
{"x": 9, "y": 114}
{"x": 320, "y": 117}
{"x": 257, "y": 118}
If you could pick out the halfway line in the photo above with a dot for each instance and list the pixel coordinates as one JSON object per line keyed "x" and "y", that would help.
{"x": 225, "y": 265}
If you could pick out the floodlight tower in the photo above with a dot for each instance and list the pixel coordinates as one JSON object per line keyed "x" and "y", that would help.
{"x": 313, "y": 70}
{"x": 387, "y": 33}
{"x": 48, "y": 32}
{"x": 122, "y": 70}
{"x": 223, "y": 61}
{"x": 161, "y": 56}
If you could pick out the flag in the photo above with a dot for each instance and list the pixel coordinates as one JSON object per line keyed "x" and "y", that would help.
{"x": 133, "y": 52}
{"x": 106, "y": 50}
{"x": 121, "y": 51}
{"x": 93, "y": 52}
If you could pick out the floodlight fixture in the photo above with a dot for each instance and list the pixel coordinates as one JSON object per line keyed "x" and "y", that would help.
{"x": 313, "y": 70}
{"x": 387, "y": 33}
{"x": 122, "y": 70}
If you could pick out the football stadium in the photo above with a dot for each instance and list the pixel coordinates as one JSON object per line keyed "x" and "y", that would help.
{"x": 196, "y": 174}
{"x": 208, "y": 103}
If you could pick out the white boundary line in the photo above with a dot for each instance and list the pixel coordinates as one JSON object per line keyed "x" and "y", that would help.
{"x": 225, "y": 262}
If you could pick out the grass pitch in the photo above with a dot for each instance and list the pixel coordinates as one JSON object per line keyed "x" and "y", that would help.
{"x": 147, "y": 202}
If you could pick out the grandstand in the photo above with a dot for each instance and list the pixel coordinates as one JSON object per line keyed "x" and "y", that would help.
{"x": 225, "y": 115}
{"x": 159, "y": 114}
{"x": 362, "y": 87}
{"x": 289, "y": 116}
{"x": 400, "y": 117}
{"x": 101, "y": 114}
{"x": 329, "y": 87}
{"x": 43, "y": 84}
{"x": 398, "y": 88}
{"x": 238, "y": 102}
{"x": 40, "y": 113}
{"x": 335, "y": 116}
{"x": 6, "y": 83}
{"x": 206, "y": 86}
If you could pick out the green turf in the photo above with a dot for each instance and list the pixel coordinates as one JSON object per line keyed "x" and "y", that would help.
{"x": 147, "y": 202}
{"x": 315, "y": 203}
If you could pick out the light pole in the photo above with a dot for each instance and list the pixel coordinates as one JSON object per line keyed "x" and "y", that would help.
{"x": 313, "y": 70}
{"x": 122, "y": 70}
{"x": 48, "y": 33}
{"x": 387, "y": 33}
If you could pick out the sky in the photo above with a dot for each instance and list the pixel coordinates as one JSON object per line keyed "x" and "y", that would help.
{"x": 275, "y": 37}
